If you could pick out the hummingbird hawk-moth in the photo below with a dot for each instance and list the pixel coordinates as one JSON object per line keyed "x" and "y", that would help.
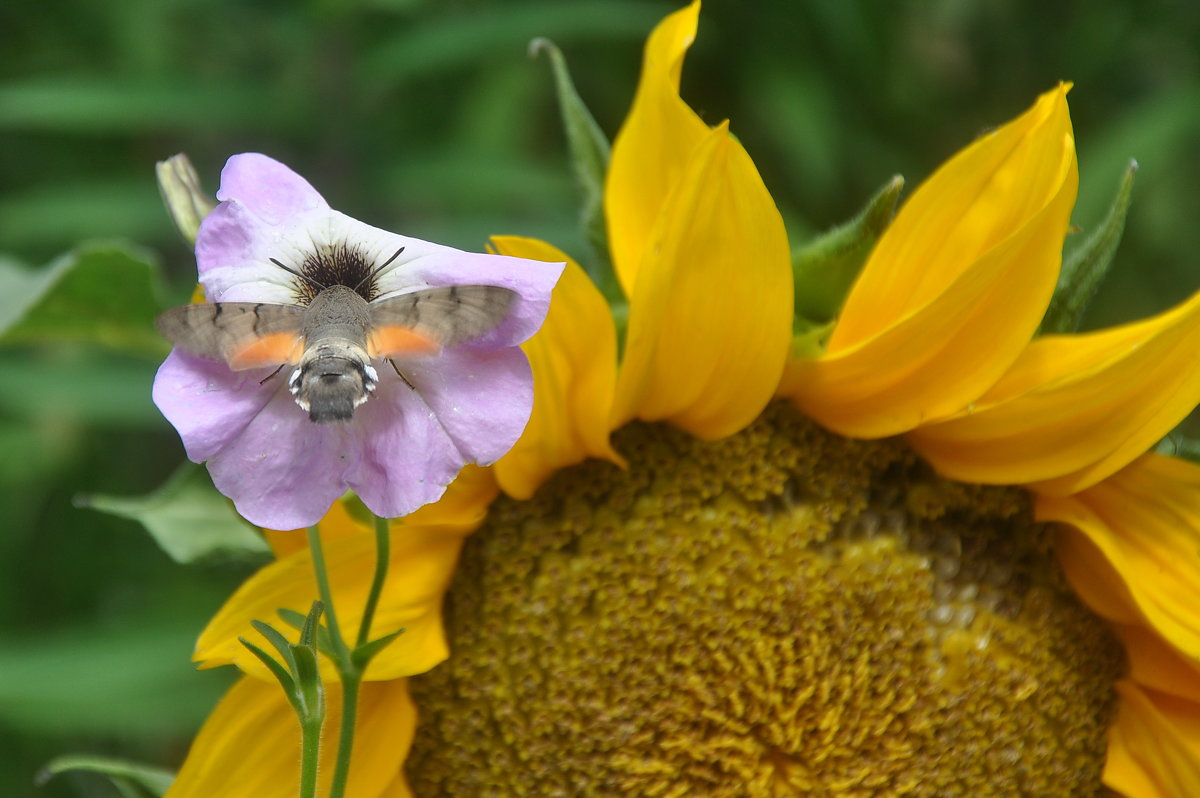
{"x": 333, "y": 339}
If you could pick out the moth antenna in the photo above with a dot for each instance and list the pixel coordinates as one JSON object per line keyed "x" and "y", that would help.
{"x": 319, "y": 286}
{"x": 372, "y": 274}
{"x": 399, "y": 374}
{"x": 272, "y": 374}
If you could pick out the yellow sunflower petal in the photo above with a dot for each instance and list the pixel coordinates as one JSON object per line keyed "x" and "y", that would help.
{"x": 337, "y": 523}
{"x": 1157, "y": 666}
{"x": 1074, "y": 409}
{"x": 710, "y": 319}
{"x": 250, "y": 745}
{"x": 1145, "y": 521}
{"x": 956, "y": 286}
{"x": 574, "y": 361}
{"x": 654, "y": 146}
{"x": 424, "y": 551}
{"x": 1154, "y": 745}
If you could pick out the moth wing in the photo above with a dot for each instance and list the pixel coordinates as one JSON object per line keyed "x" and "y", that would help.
{"x": 425, "y": 321}
{"x": 245, "y": 335}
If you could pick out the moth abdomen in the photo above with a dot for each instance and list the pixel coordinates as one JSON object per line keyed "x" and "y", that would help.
{"x": 331, "y": 384}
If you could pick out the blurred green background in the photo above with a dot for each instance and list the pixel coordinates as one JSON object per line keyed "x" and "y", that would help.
{"x": 428, "y": 118}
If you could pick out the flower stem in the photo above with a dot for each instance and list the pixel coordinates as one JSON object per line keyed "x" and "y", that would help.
{"x": 350, "y": 671}
{"x": 341, "y": 769}
{"x": 383, "y": 555}
{"x": 310, "y": 754}
{"x": 340, "y": 650}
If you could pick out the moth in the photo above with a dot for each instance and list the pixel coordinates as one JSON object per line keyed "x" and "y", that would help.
{"x": 332, "y": 341}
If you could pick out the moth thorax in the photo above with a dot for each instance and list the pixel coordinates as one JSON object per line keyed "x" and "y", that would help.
{"x": 331, "y": 381}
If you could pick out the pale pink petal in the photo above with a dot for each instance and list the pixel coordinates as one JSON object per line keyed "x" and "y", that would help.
{"x": 283, "y": 471}
{"x": 482, "y": 398}
{"x": 406, "y": 456}
{"x": 233, "y": 251}
{"x": 267, "y": 188}
{"x": 207, "y": 403}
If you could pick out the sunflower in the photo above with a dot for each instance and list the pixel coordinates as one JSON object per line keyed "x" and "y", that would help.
{"x": 934, "y": 557}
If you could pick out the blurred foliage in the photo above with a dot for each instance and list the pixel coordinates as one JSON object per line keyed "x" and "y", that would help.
{"x": 429, "y": 118}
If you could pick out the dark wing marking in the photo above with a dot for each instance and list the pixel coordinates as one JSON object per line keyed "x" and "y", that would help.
{"x": 449, "y": 315}
{"x": 243, "y": 334}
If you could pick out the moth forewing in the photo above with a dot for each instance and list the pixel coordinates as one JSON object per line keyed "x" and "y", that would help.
{"x": 445, "y": 316}
{"x": 243, "y": 334}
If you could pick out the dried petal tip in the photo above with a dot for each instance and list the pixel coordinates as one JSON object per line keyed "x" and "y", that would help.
{"x": 185, "y": 200}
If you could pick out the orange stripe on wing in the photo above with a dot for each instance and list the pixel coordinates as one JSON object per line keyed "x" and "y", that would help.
{"x": 270, "y": 350}
{"x": 395, "y": 340}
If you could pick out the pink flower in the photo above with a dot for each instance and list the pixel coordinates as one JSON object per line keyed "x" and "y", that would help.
{"x": 273, "y": 239}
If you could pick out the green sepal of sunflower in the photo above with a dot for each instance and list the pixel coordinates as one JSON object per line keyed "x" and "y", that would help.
{"x": 826, "y": 267}
{"x": 589, "y": 153}
{"x": 1085, "y": 266}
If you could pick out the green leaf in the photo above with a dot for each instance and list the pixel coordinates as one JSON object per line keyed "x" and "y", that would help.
{"x": 590, "y": 152}
{"x": 292, "y": 618}
{"x": 310, "y": 691}
{"x": 297, "y": 621}
{"x": 130, "y": 679}
{"x": 72, "y": 384}
{"x": 286, "y": 680}
{"x": 276, "y": 639}
{"x": 827, "y": 267}
{"x": 449, "y": 43}
{"x": 1085, "y": 266}
{"x": 116, "y": 105}
{"x": 362, "y": 655}
{"x": 186, "y": 517}
{"x": 123, "y": 773}
{"x": 106, "y": 293}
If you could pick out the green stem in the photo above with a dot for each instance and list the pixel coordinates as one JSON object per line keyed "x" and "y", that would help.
{"x": 341, "y": 652}
{"x": 341, "y": 769}
{"x": 310, "y": 755}
{"x": 383, "y": 542}
{"x": 349, "y": 672}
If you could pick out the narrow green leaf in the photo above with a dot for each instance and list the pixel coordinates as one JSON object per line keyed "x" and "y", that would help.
{"x": 367, "y": 651}
{"x": 186, "y": 517}
{"x": 281, "y": 643}
{"x": 154, "y": 780}
{"x": 310, "y": 692}
{"x": 590, "y": 152}
{"x": 106, "y": 293}
{"x": 292, "y": 618}
{"x": 285, "y": 679}
{"x": 827, "y": 267}
{"x": 311, "y": 624}
{"x": 1085, "y": 266}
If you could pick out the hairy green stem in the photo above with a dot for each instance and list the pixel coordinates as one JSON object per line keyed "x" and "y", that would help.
{"x": 349, "y": 672}
{"x": 310, "y": 755}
